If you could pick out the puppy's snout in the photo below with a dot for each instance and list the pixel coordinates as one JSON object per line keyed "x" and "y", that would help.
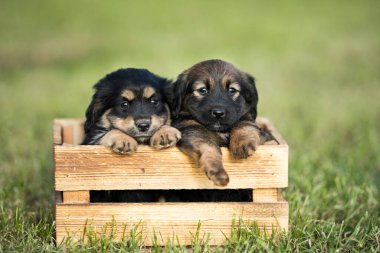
{"x": 143, "y": 124}
{"x": 218, "y": 113}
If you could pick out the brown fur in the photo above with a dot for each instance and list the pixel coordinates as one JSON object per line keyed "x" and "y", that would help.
{"x": 215, "y": 105}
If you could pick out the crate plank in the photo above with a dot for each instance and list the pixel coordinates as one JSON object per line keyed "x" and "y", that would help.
{"x": 97, "y": 168}
{"x": 57, "y": 133}
{"x": 265, "y": 195}
{"x": 76, "y": 197}
{"x": 167, "y": 219}
{"x": 72, "y": 131}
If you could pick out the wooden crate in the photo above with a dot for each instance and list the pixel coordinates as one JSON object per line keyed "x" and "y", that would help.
{"x": 79, "y": 169}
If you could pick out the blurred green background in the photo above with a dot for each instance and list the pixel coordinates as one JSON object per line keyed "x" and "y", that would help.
{"x": 317, "y": 69}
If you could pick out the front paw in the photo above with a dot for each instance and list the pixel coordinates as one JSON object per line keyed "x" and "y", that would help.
{"x": 165, "y": 137}
{"x": 119, "y": 142}
{"x": 244, "y": 146}
{"x": 218, "y": 175}
{"x": 211, "y": 164}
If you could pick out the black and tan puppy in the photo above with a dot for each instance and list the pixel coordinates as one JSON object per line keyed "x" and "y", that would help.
{"x": 130, "y": 107}
{"x": 215, "y": 104}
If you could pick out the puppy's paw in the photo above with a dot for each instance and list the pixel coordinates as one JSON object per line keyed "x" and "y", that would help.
{"x": 242, "y": 146}
{"x": 165, "y": 137}
{"x": 119, "y": 142}
{"x": 218, "y": 175}
{"x": 126, "y": 145}
{"x": 214, "y": 170}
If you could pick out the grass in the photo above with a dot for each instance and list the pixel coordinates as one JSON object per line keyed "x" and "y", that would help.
{"x": 317, "y": 69}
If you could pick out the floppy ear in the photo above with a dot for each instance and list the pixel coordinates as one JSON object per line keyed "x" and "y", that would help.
{"x": 97, "y": 106}
{"x": 179, "y": 92}
{"x": 93, "y": 112}
{"x": 251, "y": 95}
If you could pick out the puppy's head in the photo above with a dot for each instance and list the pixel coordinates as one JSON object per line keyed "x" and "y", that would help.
{"x": 216, "y": 94}
{"x": 131, "y": 100}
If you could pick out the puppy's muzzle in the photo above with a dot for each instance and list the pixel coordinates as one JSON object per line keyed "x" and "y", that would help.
{"x": 218, "y": 112}
{"x": 143, "y": 124}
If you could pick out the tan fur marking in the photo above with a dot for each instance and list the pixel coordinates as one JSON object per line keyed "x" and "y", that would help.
{"x": 148, "y": 92}
{"x": 157, "y": 122}
{"x": 226, "y": 80}
{"x": 122, "y": 124}
{"x": 128, "y": 94}
{"x": 237, "y": 87}
{"x": 104, "y": 121}
{"x": 198, "y": 85}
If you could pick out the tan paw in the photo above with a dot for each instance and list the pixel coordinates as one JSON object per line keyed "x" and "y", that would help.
{"x": 218, "y": 175}
{"x": 211, "y": 163}
{"x": 119, "y": 142}
{"x": 244, "y": 145}
{"x": 165, "y": 137}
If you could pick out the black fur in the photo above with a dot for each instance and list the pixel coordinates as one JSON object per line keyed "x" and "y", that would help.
{"x": 108, "y": 97}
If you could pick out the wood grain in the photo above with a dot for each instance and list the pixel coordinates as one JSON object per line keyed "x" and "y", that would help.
{"x": 98, "y": 168}
{"x": 76, "y": 197}
{"x": 167, "y": 219}
{"x": 72, "y": 130}
{"x": 57, "y": 133}
{"x": 265, "y": 195}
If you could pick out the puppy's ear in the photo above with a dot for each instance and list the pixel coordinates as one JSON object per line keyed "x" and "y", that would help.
{"x": 98, "y": 105}
{"x": 251, "y": 95}
{"x": 179, "y": 92}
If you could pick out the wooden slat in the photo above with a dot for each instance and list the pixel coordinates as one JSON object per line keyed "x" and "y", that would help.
{"x": 97, "y": 168}
{"x": 76, "y": 197}
{"x": 167, "y": 219}
{"x": 265, "y": 195}
{"x": 68, "y": 134}
{"x": 72, "y": 130}
{"x": 57, "y": 134}
{"x": 75, "y": 131}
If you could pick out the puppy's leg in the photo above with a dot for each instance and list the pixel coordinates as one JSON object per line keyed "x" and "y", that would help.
{"x": 119, "y": 142}
{"x": 198, "y": 144}
{"x": 210, "y": 160}
{"x": 244, "y": 139}
{"x": 164, "y": 137}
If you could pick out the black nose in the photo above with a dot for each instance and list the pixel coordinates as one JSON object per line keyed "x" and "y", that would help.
{"x": 143, "y": 125}
{"x": 218, "y": 113}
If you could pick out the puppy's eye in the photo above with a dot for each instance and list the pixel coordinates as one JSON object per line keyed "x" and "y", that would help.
{"x": 232, "y": 91}
{"x": 203, "y": 91}
{"x": 124, "y": 105}
{"x": 153, "y": 101}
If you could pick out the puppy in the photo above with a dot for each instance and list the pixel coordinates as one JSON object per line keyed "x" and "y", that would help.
{"x": 215, "y": 104}
{"x": 130, "y": 107}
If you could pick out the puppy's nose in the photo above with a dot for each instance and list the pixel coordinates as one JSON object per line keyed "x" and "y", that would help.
{"x": 143, "y": 124}
{"x": 218, "y": 113}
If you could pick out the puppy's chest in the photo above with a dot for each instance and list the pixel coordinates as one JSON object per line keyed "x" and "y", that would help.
{"x": 223, "y": 138}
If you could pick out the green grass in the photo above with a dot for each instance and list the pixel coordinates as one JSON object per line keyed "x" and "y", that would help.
{"x": 317, "y": 68}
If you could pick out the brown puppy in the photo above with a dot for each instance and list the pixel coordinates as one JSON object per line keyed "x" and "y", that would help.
{"x": 130, "y": 107}
{"x": 214, "y": 105}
